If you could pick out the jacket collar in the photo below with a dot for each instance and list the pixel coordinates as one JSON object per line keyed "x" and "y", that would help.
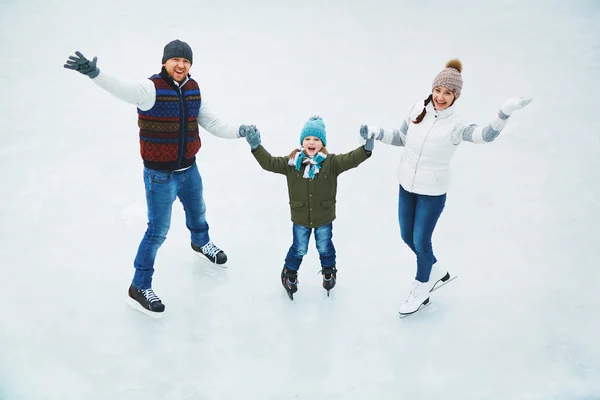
{"x": 167, "y": 78}
{"x": 445, "y": 113}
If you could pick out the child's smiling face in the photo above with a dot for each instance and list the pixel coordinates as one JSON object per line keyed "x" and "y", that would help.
{"x": 311, "y": 145}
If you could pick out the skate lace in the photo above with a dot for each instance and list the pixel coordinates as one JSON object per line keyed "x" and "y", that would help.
{"x": 413, "y": 293}
{"x": 210, "y": 249}
{"x": 150, "y": 295}
{"x": 327, "y": 273}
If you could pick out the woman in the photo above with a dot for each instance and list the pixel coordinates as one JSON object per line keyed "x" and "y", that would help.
{"x": 430, "y": 135}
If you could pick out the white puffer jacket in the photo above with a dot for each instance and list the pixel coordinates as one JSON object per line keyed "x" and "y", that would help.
{"x": 429, "y": 146}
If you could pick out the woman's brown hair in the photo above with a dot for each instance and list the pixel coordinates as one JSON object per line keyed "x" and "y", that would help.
{"x": 422, "y": 115}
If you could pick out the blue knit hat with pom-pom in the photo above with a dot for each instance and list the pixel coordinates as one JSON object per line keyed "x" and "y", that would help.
{"x": 314, "y": 127}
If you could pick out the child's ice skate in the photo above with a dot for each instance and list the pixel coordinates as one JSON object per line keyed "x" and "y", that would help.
{"x": 329, "y": 277}
{"x": 289, "y": 280}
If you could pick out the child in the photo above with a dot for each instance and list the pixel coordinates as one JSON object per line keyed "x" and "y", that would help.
{"x": 430, "y": 135}
{"x": 312, "y": 184}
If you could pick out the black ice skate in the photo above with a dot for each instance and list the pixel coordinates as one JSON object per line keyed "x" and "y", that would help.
{"x": 212, "y": 253}
{"x": 329, "y": 278}
{"x": 289, "y": 280}
{"x": 146, "y": 301}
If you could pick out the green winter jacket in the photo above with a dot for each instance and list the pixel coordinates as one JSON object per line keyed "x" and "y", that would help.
{"x": 312, "y": 201}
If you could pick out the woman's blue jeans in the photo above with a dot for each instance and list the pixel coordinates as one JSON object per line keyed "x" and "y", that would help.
{"x": 418, "y": 215}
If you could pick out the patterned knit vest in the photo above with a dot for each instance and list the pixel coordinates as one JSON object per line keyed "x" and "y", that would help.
{"x": 169, "y": 138}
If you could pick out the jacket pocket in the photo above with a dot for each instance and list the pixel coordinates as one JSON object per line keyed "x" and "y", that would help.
{"x": 327, "y": 204}
{"x": 296, "y": 204}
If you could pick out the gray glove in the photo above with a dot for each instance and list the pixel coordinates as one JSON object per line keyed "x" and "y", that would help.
{"x": 82, "y": 65}
{"x": 242, "y": 131}
{"x": 253, "y": 137}
{"x": 370, "y": 143}
{"x": 369, "y": 137}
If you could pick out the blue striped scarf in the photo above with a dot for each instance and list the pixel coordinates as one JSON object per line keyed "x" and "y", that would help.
{"x": 313, "y": 163}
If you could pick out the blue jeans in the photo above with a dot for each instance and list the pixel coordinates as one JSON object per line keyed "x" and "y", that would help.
{"x": 162, "y": 188}
{"x": 418, "y": 215}
{"x": 301, "y": 234}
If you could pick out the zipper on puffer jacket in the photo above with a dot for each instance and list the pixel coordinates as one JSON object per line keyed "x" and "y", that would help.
{"x": 412, "y": 187}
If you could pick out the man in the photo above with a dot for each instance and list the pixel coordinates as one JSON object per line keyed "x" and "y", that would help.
{"x": 170, "y": 108}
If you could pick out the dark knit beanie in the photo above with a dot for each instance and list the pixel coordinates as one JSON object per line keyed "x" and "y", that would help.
{"x": 177, "y": 48}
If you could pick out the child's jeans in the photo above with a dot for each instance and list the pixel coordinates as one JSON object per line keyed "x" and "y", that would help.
{"x": 323, "y": 236}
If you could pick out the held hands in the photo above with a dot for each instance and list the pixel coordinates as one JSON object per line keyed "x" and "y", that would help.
{"x": 365, "y": 132}
{"x": 79, "y": 63}
{"x": 369, "y": 136}
{"x": 370, "y": 144}
{"x": 242, "y": 131}
{"x": 512, "y": 105}
{"x": 252, "y": 136}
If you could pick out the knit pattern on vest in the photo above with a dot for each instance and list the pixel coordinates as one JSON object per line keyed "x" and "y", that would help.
{"x": 169, "y": 138}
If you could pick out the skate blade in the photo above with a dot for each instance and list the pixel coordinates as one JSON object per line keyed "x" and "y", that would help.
{"x": 137, "y": 306}
{"x": 402, "y": 316}
{"x": 203, "y": 257}
{"x": 442, "y": 284}
{"x": 290, "y": 295}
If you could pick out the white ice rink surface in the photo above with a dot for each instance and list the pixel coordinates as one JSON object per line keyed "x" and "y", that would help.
{"x": 520, "y": 226}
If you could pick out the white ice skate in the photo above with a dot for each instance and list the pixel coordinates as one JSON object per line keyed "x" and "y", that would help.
{"x": 418, "y": 297}
{"x": 438, "y": 277}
